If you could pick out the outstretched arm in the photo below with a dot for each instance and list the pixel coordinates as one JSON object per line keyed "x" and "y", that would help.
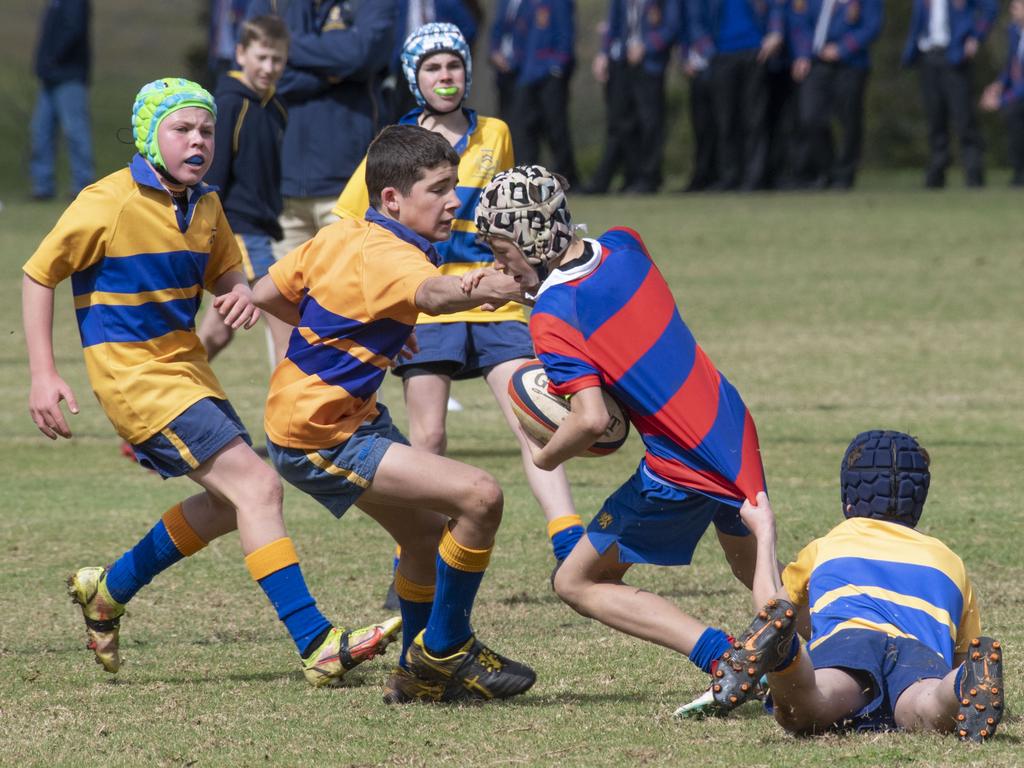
{"x": 47, "y": 388}
{"x": 760, "y": 519}
{"x": 446, "y": 293}
{"x": 234, "y": 301}
{"x": 269, "y": 298}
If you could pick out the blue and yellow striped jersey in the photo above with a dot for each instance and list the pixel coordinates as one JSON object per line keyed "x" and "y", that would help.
{"x": 355, "y": 283}
{"x": 872, "y": 574}
{"x": 483, "y": 151}
{"x": 138, "y": 268}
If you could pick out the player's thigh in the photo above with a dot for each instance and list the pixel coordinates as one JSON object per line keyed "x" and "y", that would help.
{"x": 411, "y": 478}
{"x": 839, "y": 695}
{"x": 237, "y": 474}
{"x": 741, "y": 554}
{"x": 585, "y": 566}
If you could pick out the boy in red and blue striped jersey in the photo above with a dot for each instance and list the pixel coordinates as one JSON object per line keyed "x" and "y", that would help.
{"x": 604, "y": 317}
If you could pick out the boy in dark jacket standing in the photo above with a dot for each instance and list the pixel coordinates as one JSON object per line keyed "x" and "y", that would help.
{"x": 62, "y": 66}
{"x": 246, "y": 167}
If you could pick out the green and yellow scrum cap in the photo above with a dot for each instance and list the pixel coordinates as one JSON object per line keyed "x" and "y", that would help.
{"x": 156, "y": 101}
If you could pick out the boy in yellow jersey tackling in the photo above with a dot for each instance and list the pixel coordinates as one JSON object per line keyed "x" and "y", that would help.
{"x": 140, "y": 246}
{"x": 354, "y": 292}
{"x": 474, "y": 343}
{"x": 895, "y": 626}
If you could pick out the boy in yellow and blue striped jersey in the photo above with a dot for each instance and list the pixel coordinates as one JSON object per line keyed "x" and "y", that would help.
{"x": 353, "y": 293}
{"x": 475, "y": 343}
{"x": 895, "y": 629}
{"x": 140, "y": 246}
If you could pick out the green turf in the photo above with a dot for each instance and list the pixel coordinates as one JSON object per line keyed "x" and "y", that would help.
{"x": 888, "y": 307}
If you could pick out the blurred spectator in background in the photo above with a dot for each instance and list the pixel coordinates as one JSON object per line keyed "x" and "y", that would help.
{"x": 413, "y": 14}
{"x": 62, "y": 65}
{"x": 1007, "y": 93}
{"x": 702, "y": 112}
{"x": 781, "y": 123}
{"x": 944, "y": 39}
{"x": 508, "y": 34}
{"x": 332, "y": 93}
{"x": 634, "y": 53}
{"x": 225, "y": 18}
{"x": 738, "y": 37}
{"x": 830, "y": 41}
{"x": 542, "y": 86}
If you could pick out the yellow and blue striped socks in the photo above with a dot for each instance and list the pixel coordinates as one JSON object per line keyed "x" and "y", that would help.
{"x": 459, "y": 573}
{"x": 415, "y": 602}
{"x": 275, "y": 567}
{"x": 167, "y": 542}
{"x": 564, "y": 532}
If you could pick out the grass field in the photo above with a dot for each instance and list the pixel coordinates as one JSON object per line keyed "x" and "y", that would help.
{"x": 887, "y": 307}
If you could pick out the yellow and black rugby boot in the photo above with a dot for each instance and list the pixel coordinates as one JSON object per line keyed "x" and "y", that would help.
{"x": 758, "y": 651}
{"x": 403, "y": 687}
{"x": 345, "y": 649}
{"x": 981, "y": 691}
{"x": 481, "y": 673}
{"x": 102, "y": 613}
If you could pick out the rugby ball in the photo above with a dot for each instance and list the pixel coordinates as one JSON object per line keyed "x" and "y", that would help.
{"x": 541, "y": 412}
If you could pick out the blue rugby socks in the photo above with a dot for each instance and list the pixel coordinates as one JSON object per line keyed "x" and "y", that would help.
{"x": 564, "y": 532}
{"x": 710, "y": 645}
{"x": 415, "y": 602}
{"x": 459, "y": 573}
{"x": 167, "y": 542}
{"x": 275, "y": 567}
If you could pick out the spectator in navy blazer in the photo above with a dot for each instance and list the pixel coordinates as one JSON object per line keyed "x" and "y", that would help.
{"x": 943, "y": 40}
{"x": 738, "y": 37}
{"x": 542, "y": 85}
{"x": 830, "y": 40}
{"x": 62, "y": 66}
{"x": 1007, "y": 93}
{"x": 635, "y": 49}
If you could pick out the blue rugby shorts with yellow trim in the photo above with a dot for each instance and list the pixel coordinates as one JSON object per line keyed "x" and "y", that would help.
{"x": 191, "y": 438}
{"x": 657, "y": 522}
{"x": 466, "y": 350}
{"x": 893, "y": 664}
{"x": 337, "y": 476}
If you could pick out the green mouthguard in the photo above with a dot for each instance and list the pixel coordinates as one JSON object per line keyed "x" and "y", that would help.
{"x": 448, "y": 90}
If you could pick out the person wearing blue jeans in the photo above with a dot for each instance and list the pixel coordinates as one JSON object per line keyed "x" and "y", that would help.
{"x": 62, "y": 66}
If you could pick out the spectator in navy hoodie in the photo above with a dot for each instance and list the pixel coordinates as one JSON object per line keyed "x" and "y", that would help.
{"x": 62, "y": 66}
{"x": 1007, "y": 93}
{"x": 246, "y": 167}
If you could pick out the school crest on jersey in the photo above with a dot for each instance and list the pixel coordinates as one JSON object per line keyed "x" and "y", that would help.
{"x": 654, "y": 15}
{"x": 800, "y": 6}
{"x": 337, "y": 18}
{"x": 486, "y": 167}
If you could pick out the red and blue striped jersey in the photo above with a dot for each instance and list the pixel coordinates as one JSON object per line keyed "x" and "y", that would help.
{"x": 613, "y": 322}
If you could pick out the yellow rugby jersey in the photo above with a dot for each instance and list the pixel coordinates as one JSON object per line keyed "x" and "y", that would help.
{"x": 138, "y": 268}
{"x": 355, "y": 284}
{"x": 872, "y": 574}
{"x": 483, "y": 151}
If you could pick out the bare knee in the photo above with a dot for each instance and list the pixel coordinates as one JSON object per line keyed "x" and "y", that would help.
{"x": 261, "y": 494}
{"x": 570, "y": 588}
{"x": 482, "y": 501}
{"x": 432, "y": 438}
{"x": 796, "y": 723}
